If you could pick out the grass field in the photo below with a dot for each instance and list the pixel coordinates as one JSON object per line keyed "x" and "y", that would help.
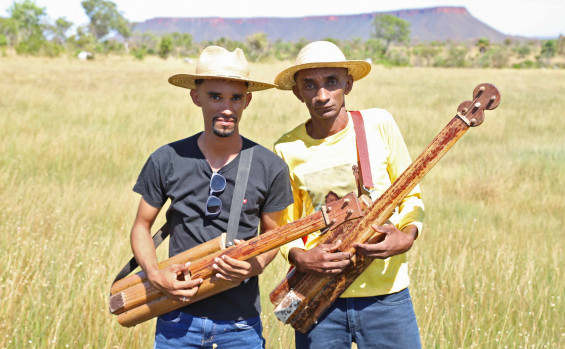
{"x": 487, "y": 271}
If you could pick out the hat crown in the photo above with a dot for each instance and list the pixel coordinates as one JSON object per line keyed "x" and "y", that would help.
{"x": 320, "y": 51}
{"x": 217, "y": 61}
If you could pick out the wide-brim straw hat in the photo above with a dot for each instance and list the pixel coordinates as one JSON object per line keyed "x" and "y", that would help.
{"x": 321, "y": 54}
{"x": 218, "y": 63}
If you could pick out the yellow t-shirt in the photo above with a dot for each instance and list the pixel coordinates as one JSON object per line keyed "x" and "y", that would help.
{"x": 322, "y": 167}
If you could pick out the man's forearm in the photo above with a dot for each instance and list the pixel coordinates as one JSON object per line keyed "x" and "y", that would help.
{"x": 144, "y": 249}
{"x": 266, "y": 258}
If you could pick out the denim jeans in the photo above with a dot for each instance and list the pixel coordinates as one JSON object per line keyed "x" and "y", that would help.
{"x": 180, "y": 330}
{"x": 386, "y": 321}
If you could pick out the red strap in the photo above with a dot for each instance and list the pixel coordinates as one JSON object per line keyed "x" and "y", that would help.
{"x": 362, "y": 149}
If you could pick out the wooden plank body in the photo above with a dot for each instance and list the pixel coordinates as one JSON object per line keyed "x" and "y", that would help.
{"x": 310, "y": 295}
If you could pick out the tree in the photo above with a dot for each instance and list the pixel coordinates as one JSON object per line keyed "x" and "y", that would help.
{"x": 427, "y": 51}
{"x": 182, "y": 43}
{"x": 165, "y": 46}
{"x": 258, "y": 46}
{"x": 483, "y": 44}
{"x": 104, "y": 18}
{"x": 561, "y": 45}
{"x": 60, "y": 29}
{"x": 548, "y": 48}
{"x": 391, "y": 29}
{"x": 375, "y": 49}
{"x": 7, "y": 31}
{"x": 27, "y": 25}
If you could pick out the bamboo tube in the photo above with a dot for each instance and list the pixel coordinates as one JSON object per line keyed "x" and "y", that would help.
{"x": 163, "y": 305}
{"x": 197, "y": 252}
{"x": 308, "y": 300}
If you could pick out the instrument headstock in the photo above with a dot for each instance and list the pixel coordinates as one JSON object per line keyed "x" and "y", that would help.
{"x": 339, "y": 211}
{"x": 485, "y": 97}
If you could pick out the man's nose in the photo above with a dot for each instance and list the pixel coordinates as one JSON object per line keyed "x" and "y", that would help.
{"x": 227, "y": 109}
{"x": 323, "y": 95}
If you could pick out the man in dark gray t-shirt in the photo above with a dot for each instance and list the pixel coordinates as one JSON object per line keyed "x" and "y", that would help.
{"x": 198, "y": 175}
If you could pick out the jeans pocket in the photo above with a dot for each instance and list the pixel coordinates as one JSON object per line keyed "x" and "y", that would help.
{"x": 173, "y": 316}
{"x": 247, "y": 324}
{"x": 394, "y": 298}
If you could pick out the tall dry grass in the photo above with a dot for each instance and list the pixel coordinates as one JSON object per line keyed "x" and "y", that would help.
{"x": 487, "y": 271}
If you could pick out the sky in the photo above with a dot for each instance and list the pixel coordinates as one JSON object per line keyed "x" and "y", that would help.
{"x": 529, "y": 18}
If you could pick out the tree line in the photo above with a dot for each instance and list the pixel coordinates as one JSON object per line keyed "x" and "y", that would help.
{"x": 29, "y": 31}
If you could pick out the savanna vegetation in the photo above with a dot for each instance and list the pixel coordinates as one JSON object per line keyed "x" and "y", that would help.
{"x": 29, "y": 31}
{"x": 487, "y": 271}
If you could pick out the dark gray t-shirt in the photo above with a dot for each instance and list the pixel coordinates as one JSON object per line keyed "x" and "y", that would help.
{"x": 179, "y": 172}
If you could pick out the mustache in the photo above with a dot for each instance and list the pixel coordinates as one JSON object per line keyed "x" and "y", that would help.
{"x": 216, "y": 118}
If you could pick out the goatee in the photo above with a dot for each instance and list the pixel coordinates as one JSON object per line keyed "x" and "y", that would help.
{"x": 223, "y": 133}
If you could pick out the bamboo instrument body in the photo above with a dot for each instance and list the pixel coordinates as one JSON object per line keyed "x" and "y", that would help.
{"x": 301, "y": 298}
{"x": 134, "y": 299}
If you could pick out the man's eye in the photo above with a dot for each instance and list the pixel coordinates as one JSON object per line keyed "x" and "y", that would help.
{"x": 333, "y": 81}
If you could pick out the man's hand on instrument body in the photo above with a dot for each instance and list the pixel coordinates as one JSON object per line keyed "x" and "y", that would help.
{"x": 234, "y": 270}
{"x": 395, "y": 241}
{"x": 166, "y": 280}
{"x": 322, "y": 260}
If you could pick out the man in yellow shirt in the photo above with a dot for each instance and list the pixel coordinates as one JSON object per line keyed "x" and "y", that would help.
{"x": 376, "y": 310}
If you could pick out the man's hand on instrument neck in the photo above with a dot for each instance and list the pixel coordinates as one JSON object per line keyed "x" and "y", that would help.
{"x": 322, "y": 260}
{"x": 236, "y": 271}
{"x": 395, "y": 241}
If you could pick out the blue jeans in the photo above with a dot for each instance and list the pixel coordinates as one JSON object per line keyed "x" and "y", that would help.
{"x": 386, "y": 321}
{"x": 180, "y": 330}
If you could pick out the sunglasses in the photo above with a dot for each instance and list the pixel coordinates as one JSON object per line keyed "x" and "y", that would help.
{"x": 214, "y": 204}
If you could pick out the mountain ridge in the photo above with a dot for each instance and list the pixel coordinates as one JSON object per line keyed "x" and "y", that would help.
{"x": 440, "y": 23}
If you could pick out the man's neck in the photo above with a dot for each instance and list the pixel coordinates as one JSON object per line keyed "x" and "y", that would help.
{"x": 219, "y": 151}
{"x": 320, "y": 128}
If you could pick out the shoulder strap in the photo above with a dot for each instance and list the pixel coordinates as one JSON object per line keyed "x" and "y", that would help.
{"x": 362, "y": 149}
{"x": 238, "y": 194}
{"x": 158, "y": 238}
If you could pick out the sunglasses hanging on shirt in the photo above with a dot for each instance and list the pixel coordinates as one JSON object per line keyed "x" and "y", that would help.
{"x": 214, "y": 204}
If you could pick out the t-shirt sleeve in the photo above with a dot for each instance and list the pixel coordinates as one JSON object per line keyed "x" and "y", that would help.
{"x": 280, "y": 194}
{"x": 151, "y": 185}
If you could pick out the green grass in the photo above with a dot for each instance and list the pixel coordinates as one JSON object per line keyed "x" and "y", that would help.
{"x": 487, "y": 271}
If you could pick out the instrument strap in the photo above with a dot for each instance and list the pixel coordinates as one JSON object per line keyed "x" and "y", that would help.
{"x": 158, "y": 238}
{"x": 362, "y": 149}
{"x": 362, "y": 157}
{"x": 238, "y": 194}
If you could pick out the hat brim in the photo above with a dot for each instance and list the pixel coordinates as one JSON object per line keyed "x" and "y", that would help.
{"x": 357, "y": 69}
{"x": 187, "y": 81}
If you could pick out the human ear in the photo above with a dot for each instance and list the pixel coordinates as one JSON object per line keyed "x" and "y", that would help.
{"x": 348, "y": 84}
{"x": 248, "y": 99}
{"x": 194, "y": 96}
{"x": 296, "y": 92}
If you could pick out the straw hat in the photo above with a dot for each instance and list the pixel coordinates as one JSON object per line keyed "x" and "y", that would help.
{"x": 321, "y": 54}
{"x": 218, "y": 63}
